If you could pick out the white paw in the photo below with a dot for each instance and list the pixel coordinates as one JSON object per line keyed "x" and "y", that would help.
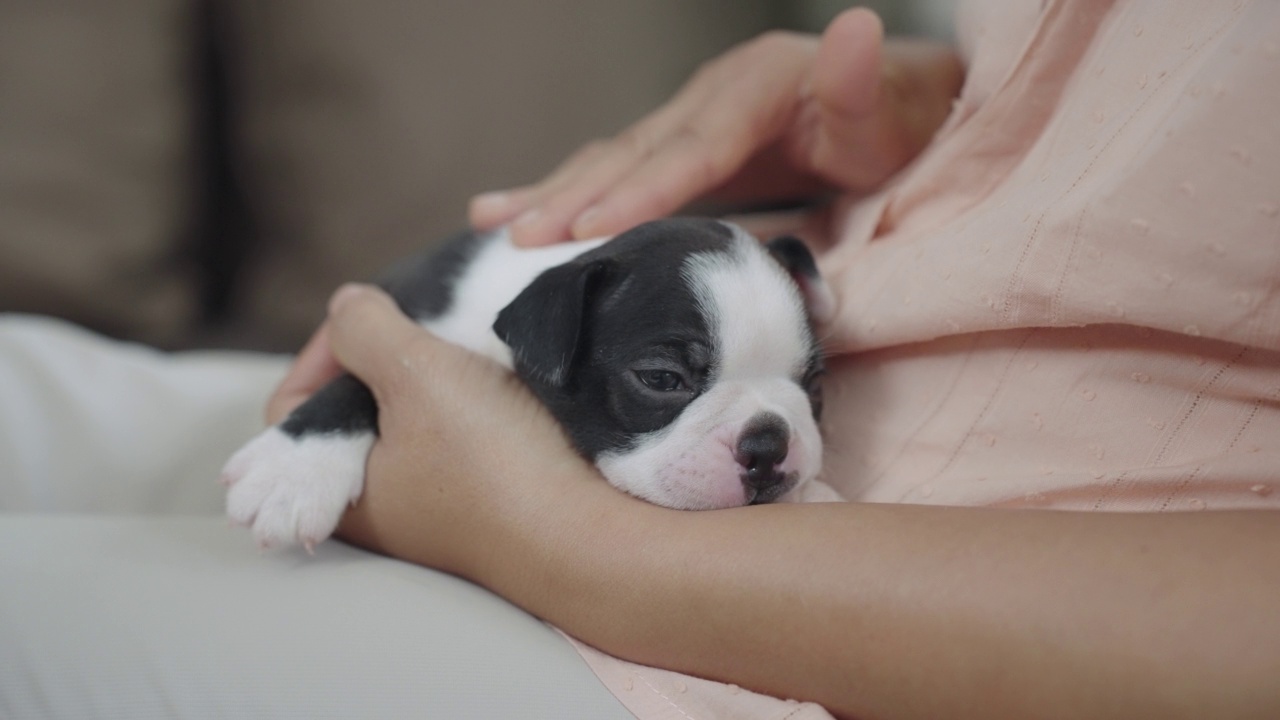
{"x": 294, "y": 490}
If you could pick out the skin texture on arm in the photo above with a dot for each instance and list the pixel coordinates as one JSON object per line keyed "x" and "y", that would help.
{"x": 875, "y": 611}
{"x": 783, "y": 117}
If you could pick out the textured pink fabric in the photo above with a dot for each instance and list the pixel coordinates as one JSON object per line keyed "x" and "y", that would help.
{"x": 1072, "y": 298}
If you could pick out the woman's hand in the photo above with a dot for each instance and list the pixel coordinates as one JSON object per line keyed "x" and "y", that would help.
{"x": 935, "y": 606}
{"x": 464, "y": 451}
{"x": 784, "y": 116}
{"x": 311, "y": 370}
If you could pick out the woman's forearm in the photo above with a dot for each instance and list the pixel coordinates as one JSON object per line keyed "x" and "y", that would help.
{"x": 908, "y": 611}
{"x": 878, "y": 611}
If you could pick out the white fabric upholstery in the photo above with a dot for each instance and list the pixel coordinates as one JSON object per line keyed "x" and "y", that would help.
{"x": 123, "y": 594}
{"x": 90, "y": 425}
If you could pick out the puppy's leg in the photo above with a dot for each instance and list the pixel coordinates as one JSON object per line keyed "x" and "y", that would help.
{"x": 293, "y": 481}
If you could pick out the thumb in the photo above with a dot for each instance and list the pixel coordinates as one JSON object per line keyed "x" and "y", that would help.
{"x": 857, "y": 144}
{"x": 373, "y": 339}
{"x": 846, "y": 81}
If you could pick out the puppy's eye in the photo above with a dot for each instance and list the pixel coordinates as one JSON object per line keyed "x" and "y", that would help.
{"x": 661, "y": 380}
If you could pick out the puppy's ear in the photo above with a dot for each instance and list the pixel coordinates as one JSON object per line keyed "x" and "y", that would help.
{"x": 543, "y": 325}
{"x": 795, "y": 258}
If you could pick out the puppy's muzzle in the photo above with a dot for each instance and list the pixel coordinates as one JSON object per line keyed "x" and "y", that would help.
{"x": 760, "y": 452}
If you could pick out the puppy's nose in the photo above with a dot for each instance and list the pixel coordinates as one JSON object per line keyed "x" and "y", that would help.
{"x": 761, "y": 449}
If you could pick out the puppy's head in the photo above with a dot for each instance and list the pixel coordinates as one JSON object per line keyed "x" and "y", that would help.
{"x": 680, "y": 358}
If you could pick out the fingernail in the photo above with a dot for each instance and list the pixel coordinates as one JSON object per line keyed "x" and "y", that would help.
{"x": 344, "y": 295}
{"x": 585, "y": 225}
{"x": 490, "y": 203}
{"x": 522, "y": 226}
{"x": 528, "y": 218}
{"x": 806, "y": 89}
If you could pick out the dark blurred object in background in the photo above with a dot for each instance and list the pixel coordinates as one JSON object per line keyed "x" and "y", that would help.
{"x": 205, "y": 172}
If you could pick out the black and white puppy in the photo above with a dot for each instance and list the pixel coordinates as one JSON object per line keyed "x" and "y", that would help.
{"x": 679, "y": 356}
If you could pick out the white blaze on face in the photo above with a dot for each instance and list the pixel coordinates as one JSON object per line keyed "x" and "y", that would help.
{"x": 759, "y": 328}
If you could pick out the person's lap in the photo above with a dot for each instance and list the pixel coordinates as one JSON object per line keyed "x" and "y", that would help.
{"x": 124, "y": 594}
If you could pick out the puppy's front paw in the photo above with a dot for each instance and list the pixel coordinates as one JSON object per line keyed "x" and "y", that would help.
{"x": 294, "y": 490}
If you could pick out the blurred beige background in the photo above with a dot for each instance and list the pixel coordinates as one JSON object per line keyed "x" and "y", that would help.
{"x": 204, "y": 172}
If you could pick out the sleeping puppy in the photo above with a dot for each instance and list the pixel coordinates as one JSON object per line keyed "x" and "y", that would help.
{"x": 679, "y": 357}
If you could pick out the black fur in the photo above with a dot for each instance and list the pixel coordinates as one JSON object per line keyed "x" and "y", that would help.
{"x": 343, "y": 406}
{"x": 543, "y": 325}
{"x": 588, "y": 372}
{"x": 423, "y": 284}
{"x": 594, "y": 394}
{"x": 794, "y": 255}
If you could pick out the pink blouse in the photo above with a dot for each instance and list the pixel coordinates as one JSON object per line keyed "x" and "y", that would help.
{"x": 1072, "y": 298}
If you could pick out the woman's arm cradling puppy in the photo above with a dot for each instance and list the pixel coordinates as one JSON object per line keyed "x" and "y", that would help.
{"x": 924, "y": 612}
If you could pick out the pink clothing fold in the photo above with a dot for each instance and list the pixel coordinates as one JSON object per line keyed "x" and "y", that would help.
{"x": 1071, "y": 300}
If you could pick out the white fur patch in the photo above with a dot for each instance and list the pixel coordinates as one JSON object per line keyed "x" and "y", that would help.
{"x": 691, "y": 464}
{"x": 754, "y": 308}
{"x": 497, "y": 274}
{"x": 295, "y": 490}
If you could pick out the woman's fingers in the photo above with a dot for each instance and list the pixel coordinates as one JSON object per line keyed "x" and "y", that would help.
{"x": 543, "y": 213}
{"x": 464, "y": 449}
{"x": 780, "y": 117}
{"x": 376, "y": 342}
{"x": 312, "y": 369}
{"x": 877, "y": 106}
{"x": 744, "y": 116}
{"x": 490, "y": 210}
{"x": 591, "y": 170}
{"x": 846, "y": 74}
{"x": 566, "y": 196}
{"x": 395, "y": 357}
{"x": 734, "y": 107}
{"x": 322, "y": 359}
{"x": 850, "y": 145}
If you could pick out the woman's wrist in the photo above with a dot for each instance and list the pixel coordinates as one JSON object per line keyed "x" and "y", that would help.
{"x": 866, "y": 608}
{"x": 536, "y": 554}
